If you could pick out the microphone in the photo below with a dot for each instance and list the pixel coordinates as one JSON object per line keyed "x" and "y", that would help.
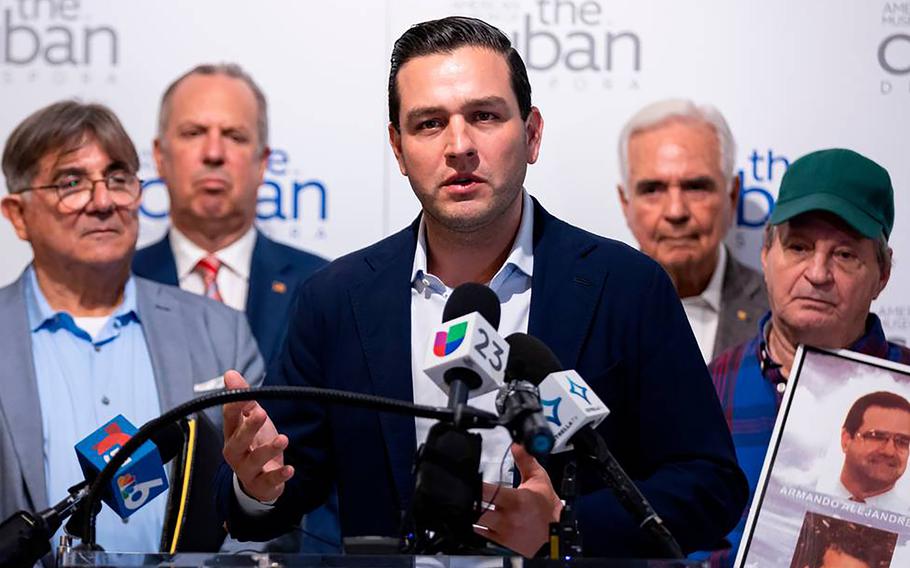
{"x": 25, "y": 537}
{"x": 573, "y": 411}
{"x": 467, "y": 353}
{"x": 139, "y": 480}
{"x": 518, "y": 402}
{"x": 569, "y": 404}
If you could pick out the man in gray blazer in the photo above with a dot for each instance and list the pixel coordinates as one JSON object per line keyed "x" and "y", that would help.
{"x": 679, "y": 195}
{"x": 82, "y": 339}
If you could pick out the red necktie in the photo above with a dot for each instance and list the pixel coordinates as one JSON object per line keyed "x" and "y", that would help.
{"x": 208, "y": 267}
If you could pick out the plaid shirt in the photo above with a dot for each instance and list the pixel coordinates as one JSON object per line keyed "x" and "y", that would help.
{"x": 750, "y": 386}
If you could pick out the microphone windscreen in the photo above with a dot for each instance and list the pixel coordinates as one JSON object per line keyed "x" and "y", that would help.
{"x": 469, "y": 298}
{"x": 530, "y": 359}
{"x": 169, "y": 442}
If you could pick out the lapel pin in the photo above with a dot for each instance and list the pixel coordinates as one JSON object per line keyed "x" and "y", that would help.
{"x": 279, "y": 287}
{"x": 741, "y": 315}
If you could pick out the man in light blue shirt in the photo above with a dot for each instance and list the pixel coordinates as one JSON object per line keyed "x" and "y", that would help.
{"x": 84, "y": 340}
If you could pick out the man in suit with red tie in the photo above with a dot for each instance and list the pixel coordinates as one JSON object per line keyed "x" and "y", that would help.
{"x": 212, "y": 151}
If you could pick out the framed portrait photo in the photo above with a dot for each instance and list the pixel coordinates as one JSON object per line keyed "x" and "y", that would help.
{"x": 834, "y": 489}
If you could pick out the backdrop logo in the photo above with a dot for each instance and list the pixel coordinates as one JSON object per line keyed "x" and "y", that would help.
{"x": 896, "y": 322}
{"x": 570, "y": 41}
{"x": 756, "y": 201}
{"x": 447, "y": 343}
{"x": 893, "y": 52}
{"x": 54, "y": 37}
{"x": 295, "y": 205}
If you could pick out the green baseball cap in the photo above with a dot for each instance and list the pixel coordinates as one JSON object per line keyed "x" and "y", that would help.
{"x": 842, "y": 182}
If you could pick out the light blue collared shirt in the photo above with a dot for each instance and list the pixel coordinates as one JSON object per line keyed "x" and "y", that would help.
{"x": 512, "y": 284}
{"x": 82, "y": 383}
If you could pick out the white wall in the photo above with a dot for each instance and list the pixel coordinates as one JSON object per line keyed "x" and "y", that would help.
{"x": 791, "y": 77}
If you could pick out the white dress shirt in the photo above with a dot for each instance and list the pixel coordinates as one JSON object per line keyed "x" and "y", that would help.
{"x": 888, "y": 501}
{"x": 703, "y": 311}
{"x": 512, "y": 284}
{"x": 234, "y": 275}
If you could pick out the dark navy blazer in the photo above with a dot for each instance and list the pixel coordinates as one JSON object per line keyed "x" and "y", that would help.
{"x": 275, "y": 273}
{"x": 605, "y": 309}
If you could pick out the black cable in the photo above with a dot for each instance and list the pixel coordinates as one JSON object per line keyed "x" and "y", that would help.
{"x": 475, "y": 418}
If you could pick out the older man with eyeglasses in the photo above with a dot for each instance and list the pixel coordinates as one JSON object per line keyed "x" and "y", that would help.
{"x": 825, "y": 257}
{"x": 82, "y": 339}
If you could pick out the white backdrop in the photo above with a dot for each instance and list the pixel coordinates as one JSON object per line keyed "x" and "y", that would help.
{"x": 791, "y": 77}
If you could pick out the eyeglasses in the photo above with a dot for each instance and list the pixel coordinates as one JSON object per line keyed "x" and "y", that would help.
{"x": 76, "y": 191}
{"x": 880, "y": 437}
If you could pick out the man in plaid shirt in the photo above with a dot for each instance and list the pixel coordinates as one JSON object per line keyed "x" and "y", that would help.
{"x": 825, "y": 257}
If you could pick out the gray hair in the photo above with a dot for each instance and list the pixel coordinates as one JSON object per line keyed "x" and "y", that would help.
{"x": 882, "y": 251}
{"x": 231, "y": 70}
{"x": 64, "y": 127}
{"x": 662, "y": 112}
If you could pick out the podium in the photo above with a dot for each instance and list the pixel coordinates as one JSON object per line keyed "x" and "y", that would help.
{"x": 80, "y": 559}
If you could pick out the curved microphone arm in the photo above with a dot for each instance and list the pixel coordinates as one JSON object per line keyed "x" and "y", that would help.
{"x": 473, "y": 417}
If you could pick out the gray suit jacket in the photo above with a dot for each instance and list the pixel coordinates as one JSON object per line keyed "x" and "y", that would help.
{"x": 191, "y": 340}
{"x": 743, "y": 302}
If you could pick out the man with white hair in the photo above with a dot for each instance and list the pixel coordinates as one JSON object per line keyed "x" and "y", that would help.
{"x": 679, "y": 195}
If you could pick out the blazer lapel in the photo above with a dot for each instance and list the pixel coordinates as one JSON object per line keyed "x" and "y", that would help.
{"x": 20, "y": 404}
{"x": 167, "y": 342}
{"x": 268, "y": 292}
{"x": 156, "y": 262}
{"x": 382, "y": 313}
{"x": 565, "y": 288}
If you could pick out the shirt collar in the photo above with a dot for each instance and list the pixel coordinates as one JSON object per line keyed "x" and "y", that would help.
{"x": 237, "y": 256}
{"x": 715, "y": 285}
{"x": 41, "y": 315}
{"x": 521, "y": 257}
{"x": 710, "y": 296}
{"x": 873, "y": 342}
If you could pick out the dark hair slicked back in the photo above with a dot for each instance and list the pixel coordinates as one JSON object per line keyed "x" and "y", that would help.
{"x": 447, "y": 35}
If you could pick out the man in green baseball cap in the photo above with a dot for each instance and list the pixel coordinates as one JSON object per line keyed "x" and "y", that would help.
{"x": 825, "y": 258}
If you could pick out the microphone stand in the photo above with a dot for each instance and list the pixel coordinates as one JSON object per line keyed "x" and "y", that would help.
{"x": 565, "y": 540}
{"x": 468, "y": 416}
{"x": 25, "y": 537}
{"x": 448, "y": 486}
{"x": 591, "y": 448}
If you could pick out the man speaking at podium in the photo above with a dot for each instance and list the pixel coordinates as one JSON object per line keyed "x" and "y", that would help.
{"x": 463, "y": 131}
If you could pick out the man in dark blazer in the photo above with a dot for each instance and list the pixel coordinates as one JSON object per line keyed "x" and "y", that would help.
{"x": 211, "y": 152}
{"x": 679, "y": 195}
{"x": 463, "y": 131}
{"x": 275, "y": 272}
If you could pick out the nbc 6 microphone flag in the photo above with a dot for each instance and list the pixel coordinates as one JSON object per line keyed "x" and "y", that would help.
{"x": 139, "y": 480}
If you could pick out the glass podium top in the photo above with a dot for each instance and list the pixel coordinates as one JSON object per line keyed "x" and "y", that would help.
{"x": 75, "y": 558}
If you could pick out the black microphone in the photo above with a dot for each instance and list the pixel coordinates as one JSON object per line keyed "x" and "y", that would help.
{"x": 518, "y": 402}
{"x": 543, "y": 368}
{"x": 447, "y": 480}
{"x": 25, "y": 536}
{"x": 466, "y": 299}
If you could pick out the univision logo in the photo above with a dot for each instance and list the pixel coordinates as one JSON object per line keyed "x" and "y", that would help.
{"x": 447, "y": 342}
